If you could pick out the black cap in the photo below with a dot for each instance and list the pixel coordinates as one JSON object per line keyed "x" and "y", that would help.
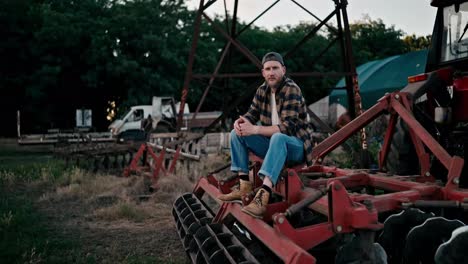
{"x": 273, "y": 56}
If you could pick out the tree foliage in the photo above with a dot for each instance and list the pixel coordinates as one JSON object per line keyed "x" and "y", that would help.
{"x": 413, "y": 42}
{"x": 62, "y": 55}
{"x": 373, "y": 40}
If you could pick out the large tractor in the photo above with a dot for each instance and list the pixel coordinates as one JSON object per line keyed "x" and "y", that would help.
{"x": 331, "y": 215}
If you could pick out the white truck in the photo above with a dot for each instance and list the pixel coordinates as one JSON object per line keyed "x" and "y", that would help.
{"x": 163, "y": 113}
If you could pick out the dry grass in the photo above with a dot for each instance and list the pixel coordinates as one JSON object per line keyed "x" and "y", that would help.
{"x": 174, "y": 185}
{"x": 112, "y": 197}
{"x": 87, "y": 186}
{"x": 171, "y": 187}
{"x": 123, "y": 210}
{"x": 69, "y": 215}
{"x": 118, "y": 198}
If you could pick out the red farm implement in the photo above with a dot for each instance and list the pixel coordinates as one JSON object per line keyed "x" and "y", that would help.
{"x": 161, "y": 154}
{"x": 321, "y": 214}
{"x": 339, "y": 202}
{"x": 141, "y": 162}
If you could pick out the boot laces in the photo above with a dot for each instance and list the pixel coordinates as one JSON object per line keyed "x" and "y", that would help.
{"x": 259, "y": 197}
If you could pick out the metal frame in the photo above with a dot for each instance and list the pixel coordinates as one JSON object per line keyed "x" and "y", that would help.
{"x": 159, "y": 164}
{"x": 231, "y": 35}
{"x": 346, "y": 212}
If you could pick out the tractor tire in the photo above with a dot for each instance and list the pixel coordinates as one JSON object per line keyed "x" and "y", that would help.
{"x": 402, "y": 158}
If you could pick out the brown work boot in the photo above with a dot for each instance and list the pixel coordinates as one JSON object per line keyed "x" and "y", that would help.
{"x": 244, "y": 187}
{"x": 258, "y": 205}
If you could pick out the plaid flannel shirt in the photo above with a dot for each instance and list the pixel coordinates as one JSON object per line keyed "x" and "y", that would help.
{"x": 292, "y": 112}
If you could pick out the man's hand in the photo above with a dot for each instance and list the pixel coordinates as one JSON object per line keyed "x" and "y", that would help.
{"x": 237, "y": 127}
{"x": 245, "y": 127}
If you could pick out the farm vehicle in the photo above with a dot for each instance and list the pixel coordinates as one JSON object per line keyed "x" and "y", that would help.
{"x": 159, "y": 117}
{"x": 413, "y": 209}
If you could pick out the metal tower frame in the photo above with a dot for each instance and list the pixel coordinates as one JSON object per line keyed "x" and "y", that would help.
{"x": 342, "y": 35}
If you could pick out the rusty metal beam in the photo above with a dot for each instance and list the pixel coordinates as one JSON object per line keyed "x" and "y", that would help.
{"x": 349, "y": 52}
{"x": 226, "y": 15}
{"x": 234, "y": 18}
{"x": 246, "y": 52}
{"x": 292, "y": 74}
{"x": 210, "y": 83}
{"x": 228, "y": 75}
{"x": 320, "y": 122}
{"x": 231, "y": 36}
{"x": 208, "y": 4}
{"x": 188, "y": 72}
{"x": 255, "y": 19}
{"x": 308, "y": 36}
{"x": 245, "y": 96}
{"x": 346, "y": 66}
{"x": 310, "y": 13}
{"x": 330, "y": 44}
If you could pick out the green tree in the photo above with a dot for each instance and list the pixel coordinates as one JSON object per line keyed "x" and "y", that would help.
{"x": 372, "y": 40}
{"x": 413, "y": 42}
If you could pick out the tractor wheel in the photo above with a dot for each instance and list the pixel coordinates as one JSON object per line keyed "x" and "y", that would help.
{"x": 402, "y": 158}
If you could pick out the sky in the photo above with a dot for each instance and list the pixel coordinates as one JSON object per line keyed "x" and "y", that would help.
{"x": 411, "y": 16}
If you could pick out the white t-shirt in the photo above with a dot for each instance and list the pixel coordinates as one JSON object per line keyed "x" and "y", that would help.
{"x": 274, "y": 110}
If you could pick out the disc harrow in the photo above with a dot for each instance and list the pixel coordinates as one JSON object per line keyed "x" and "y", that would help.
{"x": 203, "y": 240}
{"x": 315, "y": 210}
{"x": 97, "y": 157}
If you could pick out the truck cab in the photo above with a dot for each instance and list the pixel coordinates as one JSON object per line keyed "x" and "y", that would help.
{"x": 163, "y": 114}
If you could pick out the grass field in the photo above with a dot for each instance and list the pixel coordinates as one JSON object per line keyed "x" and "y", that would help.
{"x": 50, "y": 213}
{"x": 26, "y": 237}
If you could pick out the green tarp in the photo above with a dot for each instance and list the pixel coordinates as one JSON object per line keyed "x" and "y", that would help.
{"x": 381, "y": 76}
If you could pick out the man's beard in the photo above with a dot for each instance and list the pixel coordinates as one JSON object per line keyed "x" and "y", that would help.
{"x": 275, "y": 85}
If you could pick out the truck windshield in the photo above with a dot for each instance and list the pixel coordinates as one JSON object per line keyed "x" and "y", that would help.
{"x": 455, "y": 35}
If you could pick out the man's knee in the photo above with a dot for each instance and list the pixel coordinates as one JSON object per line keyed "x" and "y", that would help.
{"x": 233, "y": 133}
{"x": 278, "y": 138}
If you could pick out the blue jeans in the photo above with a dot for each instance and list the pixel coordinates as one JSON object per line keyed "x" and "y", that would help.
{"x": 274, "y": 151}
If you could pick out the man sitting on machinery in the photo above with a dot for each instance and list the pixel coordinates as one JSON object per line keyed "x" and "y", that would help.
{"x": 282, "y": 135}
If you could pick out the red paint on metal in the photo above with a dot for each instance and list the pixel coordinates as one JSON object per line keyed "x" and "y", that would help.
{"x": 159, "y": 164}
{"x": 346, "y": 212}
{"x": 174, "y": 160}
{"x": 134, "y": 163}
{"x": 460, "y": 94}
{"x": 387, "y": 140}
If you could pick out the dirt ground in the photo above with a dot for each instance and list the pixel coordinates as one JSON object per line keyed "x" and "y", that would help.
{"x": 115, "y": 218}
{"x": 110, "y": 240}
